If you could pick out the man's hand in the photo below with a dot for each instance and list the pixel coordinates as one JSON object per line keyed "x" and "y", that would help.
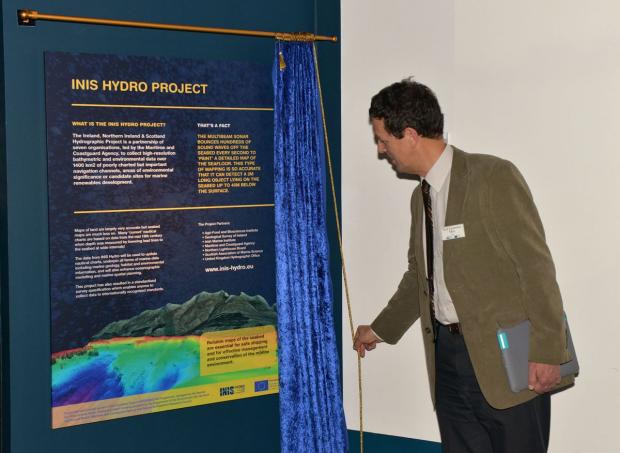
{"x": 543, "y": 377}
{"x": 365, "y": 340}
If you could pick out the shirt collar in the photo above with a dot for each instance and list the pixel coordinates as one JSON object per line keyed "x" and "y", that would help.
{"x": 438, "y": 174}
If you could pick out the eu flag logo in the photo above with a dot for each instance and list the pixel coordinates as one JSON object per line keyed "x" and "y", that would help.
{"x": 261, "y": 386}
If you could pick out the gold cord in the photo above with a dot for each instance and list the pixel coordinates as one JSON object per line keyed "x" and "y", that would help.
{"x": 344, "y": 270}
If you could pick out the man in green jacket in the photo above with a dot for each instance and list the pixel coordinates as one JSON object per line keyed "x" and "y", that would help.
{"x": 478, "y": 260}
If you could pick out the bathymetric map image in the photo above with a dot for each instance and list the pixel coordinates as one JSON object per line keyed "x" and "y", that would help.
{"x": 212, "y": 338}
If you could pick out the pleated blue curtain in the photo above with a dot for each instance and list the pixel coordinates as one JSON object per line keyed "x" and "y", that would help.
{"x": 311, "y": 413}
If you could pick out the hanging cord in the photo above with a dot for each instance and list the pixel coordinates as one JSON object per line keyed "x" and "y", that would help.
{"x": 344, "y": 269}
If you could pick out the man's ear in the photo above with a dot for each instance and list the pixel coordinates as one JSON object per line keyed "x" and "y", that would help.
{"x": 411, "y": 134}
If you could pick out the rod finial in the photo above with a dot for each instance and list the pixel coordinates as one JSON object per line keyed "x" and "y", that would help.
{"x": 26, "y": 17}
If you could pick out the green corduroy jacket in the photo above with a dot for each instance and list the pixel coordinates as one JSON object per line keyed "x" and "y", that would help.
{"x": 498, "y": 275}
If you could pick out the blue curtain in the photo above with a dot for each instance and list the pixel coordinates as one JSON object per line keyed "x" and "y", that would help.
{"x": 311, "y": 414}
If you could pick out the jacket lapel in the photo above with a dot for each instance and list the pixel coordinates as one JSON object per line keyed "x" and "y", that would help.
{"x": 459, "y": 184}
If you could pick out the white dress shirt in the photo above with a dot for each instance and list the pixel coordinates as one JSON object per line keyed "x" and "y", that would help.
{"x": 438, "y": 178}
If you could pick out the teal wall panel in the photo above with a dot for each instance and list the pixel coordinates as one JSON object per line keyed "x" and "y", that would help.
{"x": 380, "y": 443}
{"x": 249, "y": 425}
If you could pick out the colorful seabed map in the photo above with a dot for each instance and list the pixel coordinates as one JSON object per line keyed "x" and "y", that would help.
{"x": 119, "y": 376}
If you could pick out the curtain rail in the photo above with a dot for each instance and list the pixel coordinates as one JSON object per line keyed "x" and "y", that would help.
{"x": 29, "y": 18}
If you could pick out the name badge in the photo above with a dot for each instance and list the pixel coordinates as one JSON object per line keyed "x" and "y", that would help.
{"x": 453, "y": 232}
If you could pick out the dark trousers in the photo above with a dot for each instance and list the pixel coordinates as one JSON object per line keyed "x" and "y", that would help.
{"x": 466, "y": 421}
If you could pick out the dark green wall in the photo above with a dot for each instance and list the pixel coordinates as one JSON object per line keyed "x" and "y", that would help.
{"x": 249, "y": 425}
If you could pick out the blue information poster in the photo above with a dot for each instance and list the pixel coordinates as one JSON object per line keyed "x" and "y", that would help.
{"x": 161, "y": 224}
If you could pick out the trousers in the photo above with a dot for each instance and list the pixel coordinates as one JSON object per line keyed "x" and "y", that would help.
{"x": 467, "y": 423}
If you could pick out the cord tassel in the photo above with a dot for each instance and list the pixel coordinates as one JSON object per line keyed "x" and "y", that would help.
{"x": 282, "y": 62}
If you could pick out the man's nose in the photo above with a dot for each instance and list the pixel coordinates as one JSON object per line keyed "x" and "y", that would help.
{"x": 380, "y": 148}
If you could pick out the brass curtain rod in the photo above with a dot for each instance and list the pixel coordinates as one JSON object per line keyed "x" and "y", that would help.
{"x": 29, "y": 17}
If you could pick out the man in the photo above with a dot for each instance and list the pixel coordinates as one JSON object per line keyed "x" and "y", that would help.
{"x": 478, "y": 260}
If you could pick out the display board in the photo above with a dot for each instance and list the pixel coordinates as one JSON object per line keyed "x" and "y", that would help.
{"x": 161, "y": 224}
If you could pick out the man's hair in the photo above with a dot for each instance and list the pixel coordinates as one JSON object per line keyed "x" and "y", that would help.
{"x": 408, "y": 104}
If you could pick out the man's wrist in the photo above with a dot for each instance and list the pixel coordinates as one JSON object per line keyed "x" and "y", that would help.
{"x": 375, "y": 333}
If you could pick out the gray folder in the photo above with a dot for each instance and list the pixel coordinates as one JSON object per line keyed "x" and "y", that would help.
{"x": 514, "y": 344}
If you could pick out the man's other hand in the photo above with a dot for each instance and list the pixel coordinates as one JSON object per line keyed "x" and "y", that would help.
{"x": 365, "y": 340}
{"x": 543, "y": 377}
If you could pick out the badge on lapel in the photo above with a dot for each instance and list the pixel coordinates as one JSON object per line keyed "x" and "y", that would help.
{"x": 453, "y": 232}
